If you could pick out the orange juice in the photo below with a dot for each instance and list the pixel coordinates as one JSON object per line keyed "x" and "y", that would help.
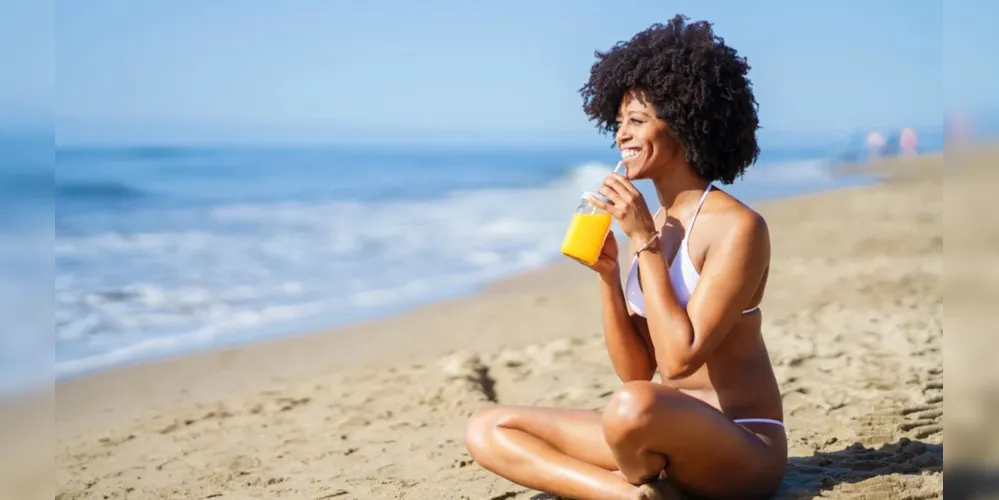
{"x": 586, "y": 234}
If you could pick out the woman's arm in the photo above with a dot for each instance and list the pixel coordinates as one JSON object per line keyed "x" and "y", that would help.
{"x": 731, "y": 274}
{"x": 630, "y": 354}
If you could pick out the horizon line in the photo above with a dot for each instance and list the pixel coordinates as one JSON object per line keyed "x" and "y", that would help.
{"x": 563, "y": 139}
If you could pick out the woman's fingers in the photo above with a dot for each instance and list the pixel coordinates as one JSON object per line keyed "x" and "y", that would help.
{"x": 605, "y": 205}
{"x": 622, "y": 185}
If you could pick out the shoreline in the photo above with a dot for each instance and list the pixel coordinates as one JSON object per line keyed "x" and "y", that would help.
{"x": 842, "y": 177}
{"x": 852, "y": 320}
{"x": 351, "y": 336}
{"x": 513, "y": 283}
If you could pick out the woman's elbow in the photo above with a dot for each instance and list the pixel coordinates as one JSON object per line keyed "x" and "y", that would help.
{"x": 636, "y": 373}
{"x": 677, "y": 369}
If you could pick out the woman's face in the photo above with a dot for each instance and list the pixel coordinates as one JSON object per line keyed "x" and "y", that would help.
{"x": 643, "y": 139}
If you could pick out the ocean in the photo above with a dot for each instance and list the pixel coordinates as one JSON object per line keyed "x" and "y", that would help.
{"x": 162, "y": 251}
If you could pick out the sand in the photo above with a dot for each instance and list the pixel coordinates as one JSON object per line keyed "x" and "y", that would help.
{"x": 853, "y": 321}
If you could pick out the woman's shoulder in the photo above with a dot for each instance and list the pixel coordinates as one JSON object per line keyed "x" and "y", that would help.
{"x": 730, "y": 221}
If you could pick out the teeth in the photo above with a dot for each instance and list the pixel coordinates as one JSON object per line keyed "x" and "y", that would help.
{"x": 629, "y": 153}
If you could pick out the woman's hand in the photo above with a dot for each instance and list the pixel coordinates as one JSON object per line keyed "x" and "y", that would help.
{"x": 607, "y": 263}
{"x": 627, "y": 205}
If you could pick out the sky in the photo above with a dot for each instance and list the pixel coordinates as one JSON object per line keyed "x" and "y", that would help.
{"x": 460, "y": 72}
{"x": 27, "y": 67}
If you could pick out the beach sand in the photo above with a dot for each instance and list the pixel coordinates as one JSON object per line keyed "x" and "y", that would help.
{"x": 853, "y": 321}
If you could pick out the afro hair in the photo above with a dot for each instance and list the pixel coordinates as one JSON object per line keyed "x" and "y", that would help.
{"x": 697, "y": 85}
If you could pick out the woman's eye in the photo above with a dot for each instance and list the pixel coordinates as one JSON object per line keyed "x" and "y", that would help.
{"x": 636, "y": 121}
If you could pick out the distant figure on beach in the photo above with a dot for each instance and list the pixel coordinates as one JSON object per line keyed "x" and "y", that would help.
{"x": 683, "y": 115}
{"x": 908, "y": 142}
{"x": 875, "y": 145}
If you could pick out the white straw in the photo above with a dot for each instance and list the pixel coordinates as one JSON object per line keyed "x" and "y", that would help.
{"x": 619, "y": 164}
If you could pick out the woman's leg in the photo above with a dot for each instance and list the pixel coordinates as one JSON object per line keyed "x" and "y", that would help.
{"x": 558, "y": 451}
{"x": 651, "y": 427}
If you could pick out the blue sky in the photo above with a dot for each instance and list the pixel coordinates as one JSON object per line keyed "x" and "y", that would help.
{"x": 27, "y": 45}
{"x": 458, "y": 72}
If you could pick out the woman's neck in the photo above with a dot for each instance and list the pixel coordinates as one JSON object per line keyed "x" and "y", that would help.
{"x": 678, "y": 185}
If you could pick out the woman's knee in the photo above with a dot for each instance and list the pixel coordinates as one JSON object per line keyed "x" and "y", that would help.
{"x": 630, "y": 411}
{"x": 480, "y": 429}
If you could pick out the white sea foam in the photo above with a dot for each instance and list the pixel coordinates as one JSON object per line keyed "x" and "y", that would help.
{"x": 226, "y": 271}
{"x": 236, "y": 267}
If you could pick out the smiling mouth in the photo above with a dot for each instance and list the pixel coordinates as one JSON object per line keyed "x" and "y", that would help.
{"x": 631, "y": 153}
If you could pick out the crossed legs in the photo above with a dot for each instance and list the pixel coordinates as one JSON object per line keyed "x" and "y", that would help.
{"x": 645, "y": 430}
{"x": 560, "y": 451}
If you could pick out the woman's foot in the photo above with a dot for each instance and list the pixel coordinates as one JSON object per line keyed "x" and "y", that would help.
{"x": 659, "y": 489}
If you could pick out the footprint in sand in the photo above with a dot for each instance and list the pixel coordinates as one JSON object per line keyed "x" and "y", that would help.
{"x": 465, "y": 383}
{"x": 925, "y": 420}
{"x": 243, "y": 463}
{"x": 858, "y": 471}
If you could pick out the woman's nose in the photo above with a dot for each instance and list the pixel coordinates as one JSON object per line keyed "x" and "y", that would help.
{"x": 623, "y": 133}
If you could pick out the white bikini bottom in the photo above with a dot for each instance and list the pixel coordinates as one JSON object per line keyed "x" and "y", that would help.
{"x": 759, "y": 421}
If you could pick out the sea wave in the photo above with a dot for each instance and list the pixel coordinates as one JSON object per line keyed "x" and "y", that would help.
{"x": 96, "y": 190}
{"x": 221, "y": 273}
{"x": 213, "y": 273}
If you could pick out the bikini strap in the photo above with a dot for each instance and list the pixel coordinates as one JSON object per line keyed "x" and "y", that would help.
{"x": 699, "y": 205}
{"x": 697, "y": 210}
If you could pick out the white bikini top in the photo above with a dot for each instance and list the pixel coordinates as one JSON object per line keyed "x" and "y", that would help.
{"x": 682, "y": 274}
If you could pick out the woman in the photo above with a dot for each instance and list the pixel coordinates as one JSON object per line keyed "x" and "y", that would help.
{"x": 684, "y": 116}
